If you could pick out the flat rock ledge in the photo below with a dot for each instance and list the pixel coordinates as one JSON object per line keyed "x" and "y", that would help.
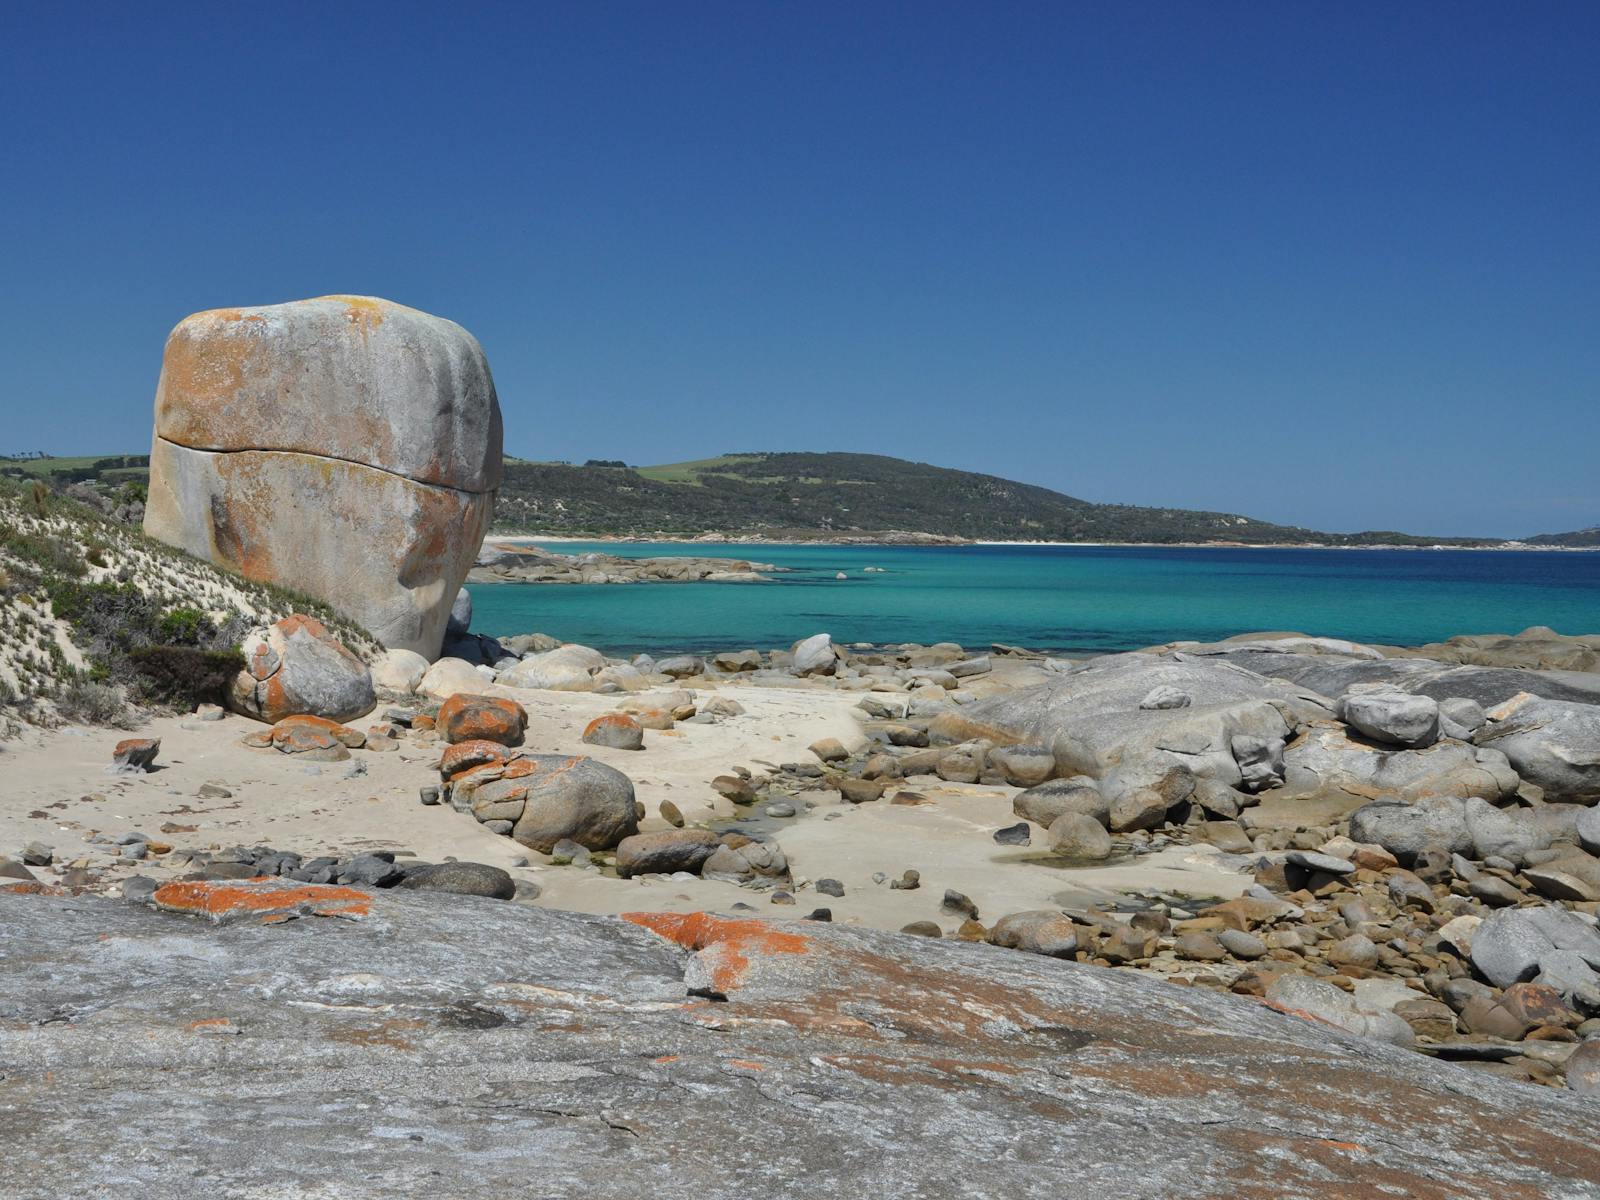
{"x": 235, "y": 1043}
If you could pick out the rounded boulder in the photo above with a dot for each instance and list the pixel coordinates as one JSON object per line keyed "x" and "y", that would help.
{"x": 298, "y": 668}
{"x": 467, "y": 717}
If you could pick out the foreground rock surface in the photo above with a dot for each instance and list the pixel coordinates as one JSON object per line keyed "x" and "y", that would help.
{"x": 457, "y": 1046}
{"x": 345, "y": 447}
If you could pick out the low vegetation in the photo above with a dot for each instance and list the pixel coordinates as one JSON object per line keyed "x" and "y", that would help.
{"x": 95, "y": 616}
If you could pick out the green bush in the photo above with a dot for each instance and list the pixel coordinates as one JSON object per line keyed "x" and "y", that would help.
{"x": 185, "y": 675}
{"x": 186, "y": 627}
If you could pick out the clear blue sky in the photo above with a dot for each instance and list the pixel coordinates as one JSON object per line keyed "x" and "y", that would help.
{"x": 1330, "y": 264}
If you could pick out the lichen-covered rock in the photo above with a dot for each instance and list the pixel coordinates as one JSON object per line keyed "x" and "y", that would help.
{"x": 297, "y": 667}
{"x": 551, "y": 797}
{"x": 616, "y": 731}
{"x": 345, "y": 447}
{"x": 465, "y": 717}
{"x": 455, "y": 1047}
{"x": 135, "y": 756}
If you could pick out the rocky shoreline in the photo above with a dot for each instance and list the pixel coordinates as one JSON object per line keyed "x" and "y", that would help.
{"x": 1407, "y": 848}
{"x": 505, "y": 562}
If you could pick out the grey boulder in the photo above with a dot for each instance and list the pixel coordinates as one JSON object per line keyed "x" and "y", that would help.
{"x": 461, "y": 878}
{"x": 1389, "y": 715}
{"x": 1512, "y": 943}
{"x": 665, "y": 852}
{"x": 1553, "y": 743}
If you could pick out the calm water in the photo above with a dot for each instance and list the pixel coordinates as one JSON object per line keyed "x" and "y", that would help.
{"x": 1061, "y": 598}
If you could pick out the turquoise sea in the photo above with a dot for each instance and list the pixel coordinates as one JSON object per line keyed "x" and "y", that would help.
{"x": 1069, "y": 599}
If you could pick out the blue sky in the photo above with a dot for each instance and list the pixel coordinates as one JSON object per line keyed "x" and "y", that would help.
{"x": 1328, "y": 264}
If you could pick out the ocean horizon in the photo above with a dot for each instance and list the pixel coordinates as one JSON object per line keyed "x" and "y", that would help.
{"x": 1067, "y": 599}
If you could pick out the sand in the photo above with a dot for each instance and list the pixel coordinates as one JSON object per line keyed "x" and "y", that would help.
{"x": 58, "y": 792}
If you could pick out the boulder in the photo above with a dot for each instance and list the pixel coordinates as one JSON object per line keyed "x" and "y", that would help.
{"x": 565, "y": 669}
{"x": 459, "y": 623}
{"x": 297, "y": 667}
{"x": 1038, "y": 931}
{"x": 1587, "y": 828}
{"x": 751, "y": 862}
{"x": 734, "y": 661}
{"x": 1091, "y": 715}
{"x": 1405, "y": 830}
{"x": 1512, "y": 943}
{"x": 815, "y": 656}
{"x": 460, "y": 878}
{"x": 665, "y": 852}
{"x": 1024, "y": 766}
{"x": 1043, "y": 804}
{"x": 1460, "y": 718}
{"x": 1260, "y": 761}
{"x": 681, "y": 666}
{"x": 467, "y": 717}
{"x": 1326, "y": 757}
{"x": 551, "y": 797}
{"x": 616, "y": 731}
{"x": 1389, "y": 715}
{"x": 399, "y": 671}
{"x": 1078, "y": 835}
{"x": 345, "y": 447}
{"x": 448, "y": 676}
{"x": 1553, "y": 743}
{"x": 1301, "y": 994}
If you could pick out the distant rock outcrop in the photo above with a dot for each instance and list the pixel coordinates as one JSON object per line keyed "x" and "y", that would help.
{"x": 346, "y": 447}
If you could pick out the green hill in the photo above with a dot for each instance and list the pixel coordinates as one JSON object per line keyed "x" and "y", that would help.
{"x": 1577, "y": 538}
{"x": 840, "y": 494}
{"x": 805, "y": 495}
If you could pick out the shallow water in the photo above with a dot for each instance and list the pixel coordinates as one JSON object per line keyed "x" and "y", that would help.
{"x": 1067, "y": 599}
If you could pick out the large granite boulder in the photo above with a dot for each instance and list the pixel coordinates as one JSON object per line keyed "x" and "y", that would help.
{"x": 345, "y": 447}
{"x": 454, "y": 1047}
{"x": 1326, "y": 758}
{"x": 1553, "y": 743}
{"x": 1093, "y": 720}
{"x": 297, "y": 668}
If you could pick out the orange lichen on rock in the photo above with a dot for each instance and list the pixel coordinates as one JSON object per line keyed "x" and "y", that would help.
{"x": 730, "y": 943}
{"x": 470, "y": 755}
{"x": 467, "y": 717}
{"x": 263, "y": 898}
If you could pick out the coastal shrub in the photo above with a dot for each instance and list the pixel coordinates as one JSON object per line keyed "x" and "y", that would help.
{"x": 90, "y": 703}
{"x": 39, "y": 498}
{"x": 185, "y": 627}
{"x": 185, "y": 675}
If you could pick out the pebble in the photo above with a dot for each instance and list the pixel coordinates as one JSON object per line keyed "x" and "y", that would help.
{"x": 779, "y": 808}
{"x": 829, "y": 887}
{"x": 907, "y": 882}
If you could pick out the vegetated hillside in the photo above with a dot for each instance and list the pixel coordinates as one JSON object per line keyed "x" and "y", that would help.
{"x": 775, "y": 494}
{"x": 1578, "y": 537}
{"x": 93, "y": 614}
